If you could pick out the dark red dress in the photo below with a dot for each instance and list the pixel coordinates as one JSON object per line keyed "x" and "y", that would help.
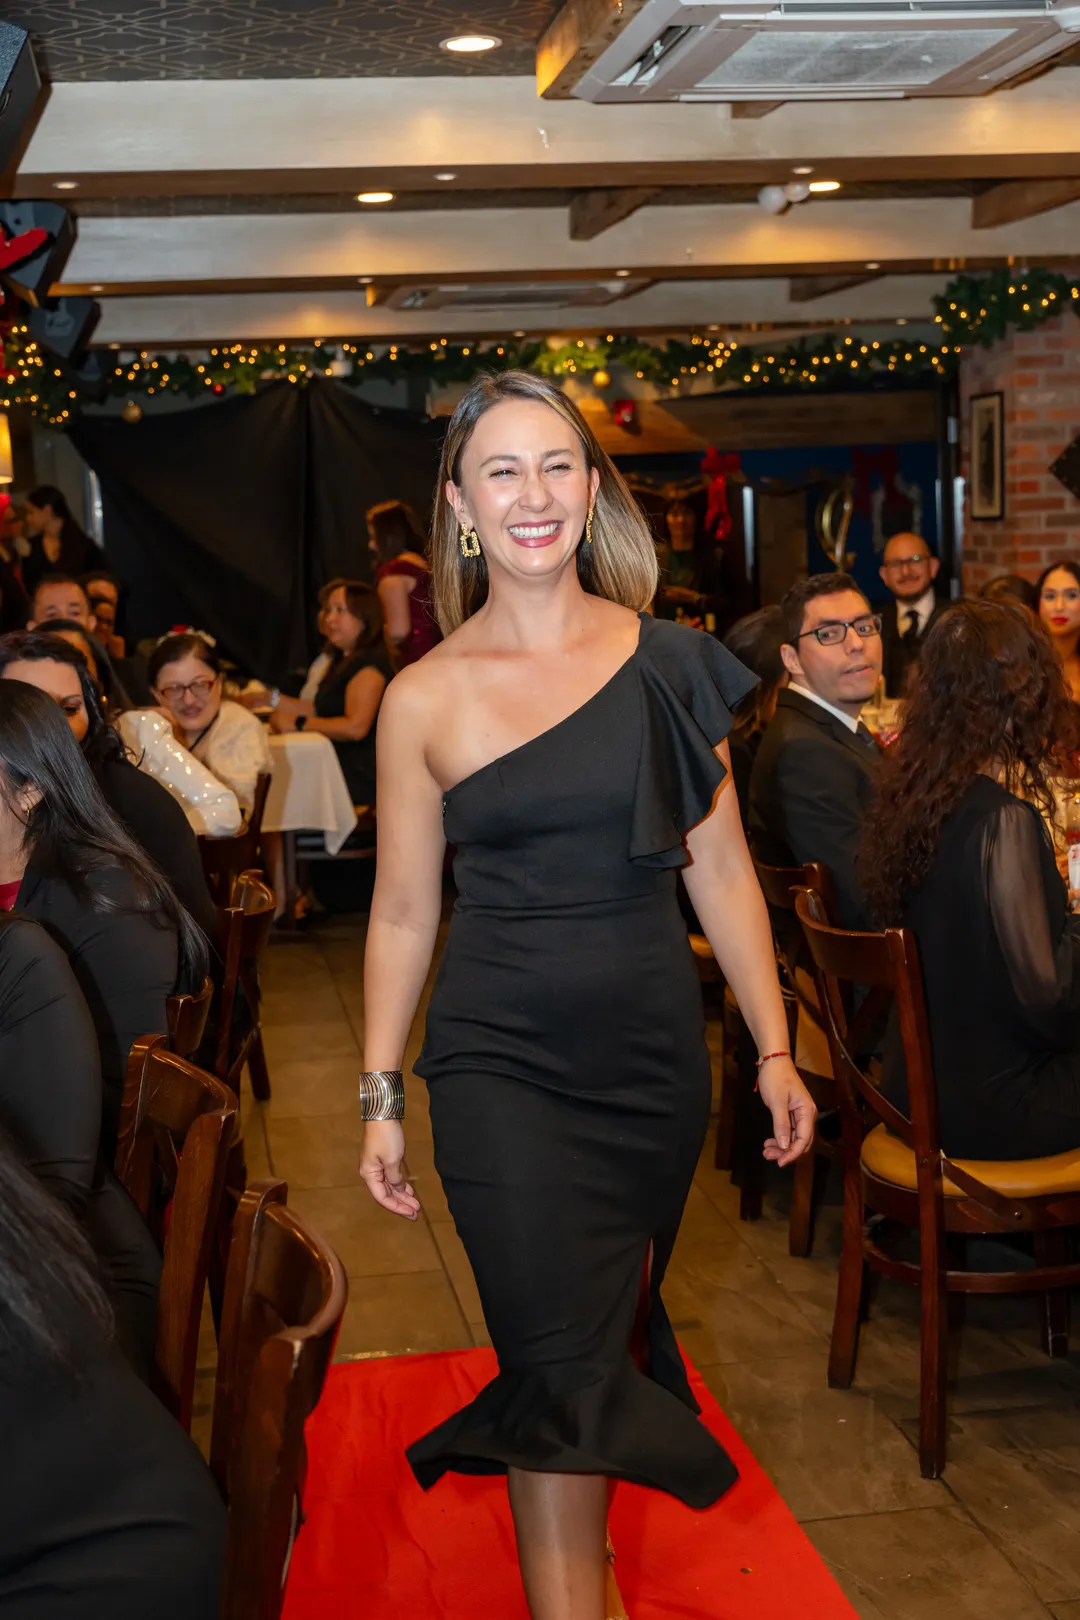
{"x": 424, "y": 631}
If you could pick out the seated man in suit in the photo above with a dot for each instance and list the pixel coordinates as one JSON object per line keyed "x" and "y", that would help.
{"x": 909, "y": 569}
{"x": 815, "y": 766}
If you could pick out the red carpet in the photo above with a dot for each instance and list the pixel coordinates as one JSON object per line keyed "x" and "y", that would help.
{"x": 375, "y": 1547}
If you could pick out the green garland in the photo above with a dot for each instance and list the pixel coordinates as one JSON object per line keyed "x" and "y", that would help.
{"x": 972, "y": 310}
{"x": 982, "y": 309}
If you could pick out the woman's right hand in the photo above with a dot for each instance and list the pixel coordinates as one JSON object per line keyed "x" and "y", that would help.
{"x": 382, "y": 1167}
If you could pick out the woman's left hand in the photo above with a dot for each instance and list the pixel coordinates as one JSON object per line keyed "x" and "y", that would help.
{"x": 282, "y": 720}
{"x": 792, "y": 1109}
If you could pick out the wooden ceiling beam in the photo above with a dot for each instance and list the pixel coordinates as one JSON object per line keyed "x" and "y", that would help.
{"x": 804, "y": 289}
{"x": 754, "y": 109}
{"x": 593, "y": 212}
{"x": 1020, "y": 199}
{"x": 575, "y": 38}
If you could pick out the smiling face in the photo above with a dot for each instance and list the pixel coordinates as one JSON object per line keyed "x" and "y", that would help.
{"x": 60, "y": 681}
{"x": 61, "y": 601}
{"x": 525, "y": 488}
{"x": 908, "y": 567}
{"x": 1059, "y": 602}
{"x": 190, "y": 690}
{"x": 844, "y": 674}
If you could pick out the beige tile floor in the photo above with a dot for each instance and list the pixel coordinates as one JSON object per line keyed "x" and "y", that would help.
{"x": 998, "y": 1537}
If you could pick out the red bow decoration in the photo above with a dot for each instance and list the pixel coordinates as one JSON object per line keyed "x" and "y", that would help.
{"x": 718, "y": 466}
{"x": 14, "y": 249}
{"x": 624, "y": 413}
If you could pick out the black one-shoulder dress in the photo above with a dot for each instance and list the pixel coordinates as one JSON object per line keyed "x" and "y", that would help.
{"x": 568, "y": 1074}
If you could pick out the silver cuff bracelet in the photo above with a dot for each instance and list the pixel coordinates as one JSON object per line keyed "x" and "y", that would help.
{"x": 382, "y": 1095}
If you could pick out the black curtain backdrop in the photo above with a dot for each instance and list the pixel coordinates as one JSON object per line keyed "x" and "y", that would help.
{"x": 229, "y": 517}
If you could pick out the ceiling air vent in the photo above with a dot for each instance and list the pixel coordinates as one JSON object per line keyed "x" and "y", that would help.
{"x": 826, "y": 50}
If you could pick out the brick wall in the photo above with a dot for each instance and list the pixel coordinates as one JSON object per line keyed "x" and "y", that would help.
{"x": 1039, "y": 375}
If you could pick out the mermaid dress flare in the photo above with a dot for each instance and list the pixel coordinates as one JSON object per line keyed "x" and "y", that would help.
{"x": 568, "y": 1075}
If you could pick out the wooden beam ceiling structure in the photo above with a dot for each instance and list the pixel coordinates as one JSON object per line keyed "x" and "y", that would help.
{"x": 593, "y": 212}
{"x": 1013, "y": 200}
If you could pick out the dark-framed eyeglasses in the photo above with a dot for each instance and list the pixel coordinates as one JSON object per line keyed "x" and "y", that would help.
{"x": 834, "y": 631}
{"x": 907, "y": 562}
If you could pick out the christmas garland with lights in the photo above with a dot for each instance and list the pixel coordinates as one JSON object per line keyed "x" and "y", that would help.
{"x": 972, "y": 310}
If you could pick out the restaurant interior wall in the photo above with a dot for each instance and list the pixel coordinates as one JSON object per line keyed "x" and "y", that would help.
{"x": 1038, "y": 374}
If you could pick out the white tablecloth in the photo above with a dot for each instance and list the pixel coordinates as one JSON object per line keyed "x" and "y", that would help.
{"x": 307, "y": 788}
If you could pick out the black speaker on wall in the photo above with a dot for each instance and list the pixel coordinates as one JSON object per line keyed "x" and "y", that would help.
{"x": 32, "y": 278}
{"x": 64, "y": 326}
{"x": 20, "y": 88}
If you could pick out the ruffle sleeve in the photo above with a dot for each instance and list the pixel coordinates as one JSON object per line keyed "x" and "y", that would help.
{"x": 689, "y": 684}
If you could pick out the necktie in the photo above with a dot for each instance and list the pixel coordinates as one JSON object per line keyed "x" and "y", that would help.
{"x": 910, "y": 634}
{"x": 865, "y": 735}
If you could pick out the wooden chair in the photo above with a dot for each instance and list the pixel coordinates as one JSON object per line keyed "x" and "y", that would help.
{"x": 176, "y": 1128}
{"x": 779, "y": 885}
{"x": 244, "y": 927}
{"x": 223, "y": 859}
{"x": 284, "y": 1298}
{"x": 187, "y": 1015}
{"x": 894, "y": 1165}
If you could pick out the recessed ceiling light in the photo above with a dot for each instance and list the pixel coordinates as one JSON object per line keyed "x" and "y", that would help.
{"x": 97, "y": 287}
{"x": 901, "y": 320}
{"x": 622, "y": 272}
{"x": 466, "y": 44}
{"x": 364, "y": 280}
{"x": 519, "y": 334}
{"x": 825, "y": 185}
{"x": 803, "y": 168}
{"x": 65, "y": 185}
{"x": 375, "y": 196}
{"x": 872, "y": 264}
{"x": 446, "y": 174}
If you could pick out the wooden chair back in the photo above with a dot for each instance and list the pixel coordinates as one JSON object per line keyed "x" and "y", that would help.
{"x": 187, "y": 1015}
{"x": 780, "y": 885}
{"x": 224, "y": 859}
{"x": 177, "y": 1125}
{"x": 888, "y": 964}
{"x": 285, "y": 1294}
{"x": 244, "y": 928}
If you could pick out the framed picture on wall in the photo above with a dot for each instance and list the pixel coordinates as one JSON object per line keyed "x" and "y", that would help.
{"x": 987, "y": 427}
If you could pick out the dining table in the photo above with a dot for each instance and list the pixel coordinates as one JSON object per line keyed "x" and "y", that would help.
{"x": 307, "y": 794}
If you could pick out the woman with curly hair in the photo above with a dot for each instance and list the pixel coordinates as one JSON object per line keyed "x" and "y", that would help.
{"x": 955, "y": 848}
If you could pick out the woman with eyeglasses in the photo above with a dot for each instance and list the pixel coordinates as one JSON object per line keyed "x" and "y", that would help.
{"x": 56, "y": 665}
{"x": 1058, "y": 595}
{"x": 207, "y": 750}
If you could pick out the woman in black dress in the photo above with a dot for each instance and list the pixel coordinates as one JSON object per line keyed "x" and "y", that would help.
{"x": 66, "y": 861}
{"x": 346, "y": 705}
{"x": 106, "y": 1506}
{"x": 570, "y": 747}
{"x": 952, "y": 852}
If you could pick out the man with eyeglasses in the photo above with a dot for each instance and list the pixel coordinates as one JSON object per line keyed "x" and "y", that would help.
{"x": 909, "y": 569}
{"x": 816, "y": 764}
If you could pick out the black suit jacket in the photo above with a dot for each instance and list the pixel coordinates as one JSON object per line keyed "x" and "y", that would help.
{"x": 809, "y": 789}
{"x": 896, "y": 659}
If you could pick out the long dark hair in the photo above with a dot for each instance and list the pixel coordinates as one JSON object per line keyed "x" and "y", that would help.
{"x": 71, "y": 833}
{"x": 50, "y": 1298}
{"x": 101, "y": 743}
{"x": 72, "y": 538}
{"x": 395, "y": 528}
{"x": 989, "y": 692}
{"x": 756, "y": 641}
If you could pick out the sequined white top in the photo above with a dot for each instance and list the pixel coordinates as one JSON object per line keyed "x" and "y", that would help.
{"x": 237, "y": 749}
{"x": 211, "y": 807}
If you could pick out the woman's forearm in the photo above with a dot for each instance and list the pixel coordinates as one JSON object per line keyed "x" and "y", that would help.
{"x": 396, "y": 962}
{"x": 340, "y": 728}
{"x": 732, "y": 911}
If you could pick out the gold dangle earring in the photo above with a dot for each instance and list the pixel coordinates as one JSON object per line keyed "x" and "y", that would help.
{"x": 470, "y": 541}
{"x": 588, "y": 526}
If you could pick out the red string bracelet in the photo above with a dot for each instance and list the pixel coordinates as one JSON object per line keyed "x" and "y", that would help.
{"x": 765, "y": 1059}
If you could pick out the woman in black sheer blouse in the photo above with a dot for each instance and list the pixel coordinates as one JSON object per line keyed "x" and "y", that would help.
{"x": 956, "y": 848}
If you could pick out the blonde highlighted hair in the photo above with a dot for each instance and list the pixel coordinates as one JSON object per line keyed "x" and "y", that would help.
{"x": 620, "y": 564}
